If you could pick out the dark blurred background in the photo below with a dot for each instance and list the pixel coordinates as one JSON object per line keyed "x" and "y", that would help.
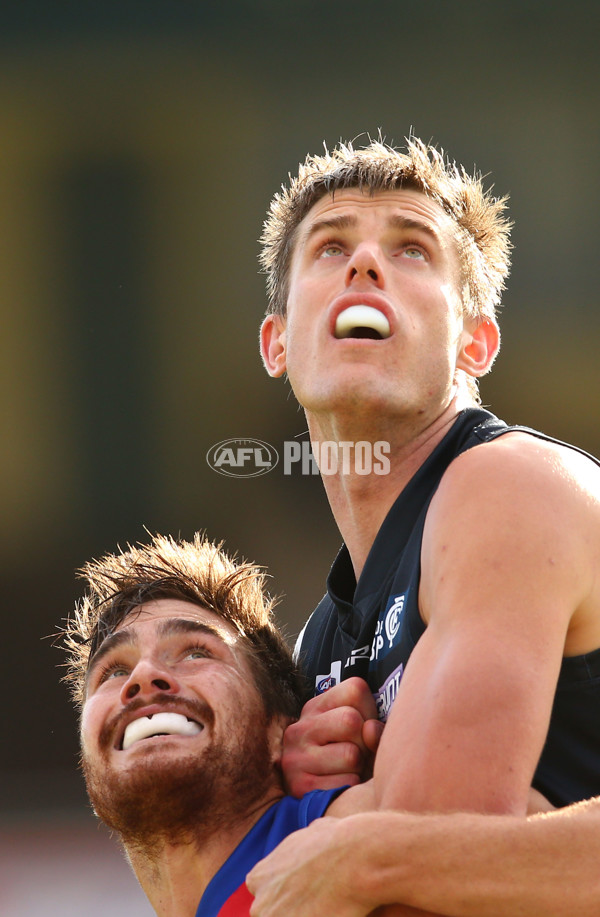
{"x": 140, "y": 144}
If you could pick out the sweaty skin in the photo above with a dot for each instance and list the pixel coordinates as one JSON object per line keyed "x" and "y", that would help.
{"x": 334, "y": 742}
{"x": 180, "y": 802}
{"x": 511, "y": 545}
{"x": 461, "y": 865}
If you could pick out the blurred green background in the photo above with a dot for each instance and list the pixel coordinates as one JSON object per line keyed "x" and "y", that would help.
{"x": 140, "y": 144}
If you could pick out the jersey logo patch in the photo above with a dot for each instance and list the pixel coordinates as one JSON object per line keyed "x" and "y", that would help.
{"x": 388, "y": 628}
{"x": 363, "y": 652}
{"x": 392, "y": 618}
{"x": 325, "y": 682}
{"x": 385, "y": 697}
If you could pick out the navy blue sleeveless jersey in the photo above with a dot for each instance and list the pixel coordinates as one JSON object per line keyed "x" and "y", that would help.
{"x": 227, "y": 895}
{"x": 370, "y": 628}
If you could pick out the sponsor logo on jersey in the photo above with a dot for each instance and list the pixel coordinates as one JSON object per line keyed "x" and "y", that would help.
{"x": 325, "y": 682}
{"x": 362, "y": 652}
{"x": 385, "y": 697}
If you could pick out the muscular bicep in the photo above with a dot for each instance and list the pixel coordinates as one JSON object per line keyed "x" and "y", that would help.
{"x": 466, "y": 730}
{"x": 500, "y": 582}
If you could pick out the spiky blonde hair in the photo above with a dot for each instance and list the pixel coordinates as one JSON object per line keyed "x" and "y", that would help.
{"x": 481, "y": 227}
{"x": 195, "y": 571}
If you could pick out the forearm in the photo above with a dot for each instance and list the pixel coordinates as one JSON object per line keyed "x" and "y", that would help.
{"x": 465, "y": 865}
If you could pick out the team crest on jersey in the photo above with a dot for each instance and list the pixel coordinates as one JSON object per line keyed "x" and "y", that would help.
{"x": 325, "y": 682}
{"x": 392, "y": 618}
{"x": 388, "y": 628}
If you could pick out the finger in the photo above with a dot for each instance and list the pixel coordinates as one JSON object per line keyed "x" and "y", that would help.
{"x": 341, "y": 724}
{"x": 335, "y": 758}
{"x": 371, "y": 734}
{"x": 354, "y": 692}
{"x": 256, "y": 877}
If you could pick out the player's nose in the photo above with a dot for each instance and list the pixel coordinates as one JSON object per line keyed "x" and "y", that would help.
{"x": 365, "y": 263}
{"x": 147, "y": 677}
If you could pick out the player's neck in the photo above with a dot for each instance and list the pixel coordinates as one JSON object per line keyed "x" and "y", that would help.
{"x": 175, "y": 876}
{"x": 359, "y": 501}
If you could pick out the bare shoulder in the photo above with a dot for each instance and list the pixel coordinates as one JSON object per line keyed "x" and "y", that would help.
{"x": 521, "y": 449}
{"x": 526, "y": 512}
{"x": 520, "y": 470}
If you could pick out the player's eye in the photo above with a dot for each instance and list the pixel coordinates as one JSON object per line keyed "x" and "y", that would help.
{"x": 198, "y": 652}
{"x": 414, "y": 253}
{"x": 331, "y": 251}
{"x": 113, "y": 670}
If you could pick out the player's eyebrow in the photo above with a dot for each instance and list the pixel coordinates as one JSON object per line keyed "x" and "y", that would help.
{"x": 397, "y": 221}
{"x": 173, "y": 626}
{"x": 344, "y": 221}
{"x": 112, "y": 642}
{"x": 349, "y": 221}
{"x": 167, "y": 628}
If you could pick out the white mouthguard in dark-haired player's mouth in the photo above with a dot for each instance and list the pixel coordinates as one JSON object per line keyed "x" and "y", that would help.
{"x": 362, "y": 322}
{"x": 173, "y": 724}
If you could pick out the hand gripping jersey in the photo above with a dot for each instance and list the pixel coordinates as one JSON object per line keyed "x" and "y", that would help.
{"x": 226, "y": 895}
{"x": 370, "y": 628}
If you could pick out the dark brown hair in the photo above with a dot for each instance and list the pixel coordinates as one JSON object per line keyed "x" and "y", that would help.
{"x": 195, "y": 571}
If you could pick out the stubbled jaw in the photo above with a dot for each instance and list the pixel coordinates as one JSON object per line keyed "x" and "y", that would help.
{"x": 362, "y": 322}
{"x": 173, "y": 724}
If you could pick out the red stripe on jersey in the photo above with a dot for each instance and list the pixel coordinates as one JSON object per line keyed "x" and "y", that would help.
{"x": 238, "y": 904}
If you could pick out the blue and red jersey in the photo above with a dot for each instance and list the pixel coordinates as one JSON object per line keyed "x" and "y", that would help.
{"x": 226, "y": 894}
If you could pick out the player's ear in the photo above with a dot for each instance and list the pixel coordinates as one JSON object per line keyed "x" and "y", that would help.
{"x": 479, "y": 346}
{"x": 272, "y": 345}
{"x": 279, "y": 723}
